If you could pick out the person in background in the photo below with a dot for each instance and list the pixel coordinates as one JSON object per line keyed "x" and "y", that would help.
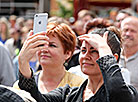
{"x": 7, "y": 75}
{"x": 59, "y": 20}
{"x": 122, "y": 14}
{"x": 33, "y": 62}
{"x": 20, "y": 23}
{"x": 97, "y": 23}
{"x": 12, "y": 21}
{"x": 29, "y": 23}
{"x": 78, "y": 27}
{"x": 56, "y": 51}
{"x": 112, "y": 14}
{"x": 4, "y": 29}
{"x": 11, "y": 43}
{"x": 83, "y": 16}
{"x": 134, "y": 6}
{"x": 98, "y": 60}
{"x": 129, "y": 55}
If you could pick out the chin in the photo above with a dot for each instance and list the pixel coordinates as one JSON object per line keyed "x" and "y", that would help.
{"x": 43, "y": 63}
{"x": 86, "y": 71}
{"x": 90, "y": 72}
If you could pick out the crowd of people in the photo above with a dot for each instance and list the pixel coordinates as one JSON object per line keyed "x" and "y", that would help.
{"x": 92, "y": 60}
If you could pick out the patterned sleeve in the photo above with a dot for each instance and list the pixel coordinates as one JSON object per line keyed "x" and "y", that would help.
{"x": 116, "y": 89}
{"x": 26, "y": 83}
{"x": 106, "y": 61}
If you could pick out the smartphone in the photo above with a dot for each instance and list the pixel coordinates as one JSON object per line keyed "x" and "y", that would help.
{"x": 40, "y": 22}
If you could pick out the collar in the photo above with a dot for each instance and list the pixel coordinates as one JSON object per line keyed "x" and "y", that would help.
{"x": 131, "y": 57}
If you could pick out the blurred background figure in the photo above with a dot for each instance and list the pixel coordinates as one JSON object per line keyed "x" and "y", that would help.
{"x": 20, "y": 23}
{"x": 4, "y": 29}
{"x": 12, "y": 43}
{"x": 122, "y": 14}
{"x": 83, "y": 16}
{"x": 58, "y": 20}
{"x": 129, "y": 57}
{"x": 29, "y": 24}
{"x": 78, "y": 27}
{"x": 12, "y": 21}
{"x": 7, "y": 75}
{"x": 113, "y": 14}
{"x": 134, "y": 6}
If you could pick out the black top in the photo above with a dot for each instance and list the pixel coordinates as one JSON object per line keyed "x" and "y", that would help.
{"x": 114, "y": 88}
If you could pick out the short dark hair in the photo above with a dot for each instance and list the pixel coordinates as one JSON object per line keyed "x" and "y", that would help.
{"x": 84, "y": 12}
{"x": 97, "y": 23}
{"x": 112, "y": 40}
{"x": 127, "y": 11}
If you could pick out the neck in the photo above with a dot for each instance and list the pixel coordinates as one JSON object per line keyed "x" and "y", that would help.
{"x": 51, "y": 74}
{"x": 50, "y": 78}
{"x": 129, "y": 51}
{"x": 95, "y": 83}
{"x": 3, "y": 36}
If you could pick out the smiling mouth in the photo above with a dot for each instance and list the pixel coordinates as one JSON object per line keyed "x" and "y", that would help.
{"x": 127, "y": 38}
{"x": 87, "y": 64}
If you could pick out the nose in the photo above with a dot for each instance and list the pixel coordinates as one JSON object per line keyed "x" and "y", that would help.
{"x": 44, "y": 51}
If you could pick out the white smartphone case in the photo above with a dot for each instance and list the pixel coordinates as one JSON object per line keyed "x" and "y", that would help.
{"x": 40, "y": 22}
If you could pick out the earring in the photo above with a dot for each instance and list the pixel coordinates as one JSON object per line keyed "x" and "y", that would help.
{"x": 65, "y": 64}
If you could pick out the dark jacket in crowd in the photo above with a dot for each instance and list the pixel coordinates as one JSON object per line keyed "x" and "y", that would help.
{"x": 114, "y": 88}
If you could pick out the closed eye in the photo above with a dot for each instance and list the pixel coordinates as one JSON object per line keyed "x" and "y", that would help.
{"x": 52, "y": 45}
{"x": 94, "y": 51}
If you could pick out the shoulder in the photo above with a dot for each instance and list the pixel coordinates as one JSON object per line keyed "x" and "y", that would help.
{"x": 9, "y": 40}
{"x": 73, "y": 80}
{"x": 72, "y": 76}
{"x": 4, "y": 52}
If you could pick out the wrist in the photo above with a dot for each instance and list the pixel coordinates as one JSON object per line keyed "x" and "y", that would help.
{"x": 24, "y": 68}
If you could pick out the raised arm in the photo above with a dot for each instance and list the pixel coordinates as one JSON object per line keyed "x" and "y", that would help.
{"x": 29, "y": 49}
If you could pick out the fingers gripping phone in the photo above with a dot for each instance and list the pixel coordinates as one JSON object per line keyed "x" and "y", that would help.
{"x": 40, "y": 22}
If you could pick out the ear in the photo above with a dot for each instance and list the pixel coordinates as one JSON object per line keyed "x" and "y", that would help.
{"x": 68, "y": 55}
{"x": 116, "y": 56}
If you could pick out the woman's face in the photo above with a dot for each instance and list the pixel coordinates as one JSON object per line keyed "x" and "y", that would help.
{"x": 53, "y": 55}
{"x": 3, "y": 27}
{"x": 87, "y": 59}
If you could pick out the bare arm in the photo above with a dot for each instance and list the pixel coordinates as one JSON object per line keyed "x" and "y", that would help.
{"x": 29, "y": 49}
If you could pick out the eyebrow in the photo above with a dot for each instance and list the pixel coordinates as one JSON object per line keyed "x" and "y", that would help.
{"x": 52, "y": 42}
